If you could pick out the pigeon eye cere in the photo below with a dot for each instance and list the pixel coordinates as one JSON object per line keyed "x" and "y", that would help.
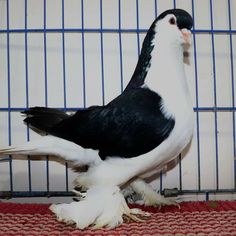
{"x": 127, "y": 140}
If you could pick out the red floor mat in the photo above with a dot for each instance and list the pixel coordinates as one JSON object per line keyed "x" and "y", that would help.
{"x": 194, "y": 218}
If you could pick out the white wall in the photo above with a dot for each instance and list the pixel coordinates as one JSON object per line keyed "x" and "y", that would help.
{"x": 112, "y": 81}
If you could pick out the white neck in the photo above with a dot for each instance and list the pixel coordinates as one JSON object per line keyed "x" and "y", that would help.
{"x": 166, "y": 75}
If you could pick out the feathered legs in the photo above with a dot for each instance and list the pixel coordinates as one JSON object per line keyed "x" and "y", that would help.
{"x": 102, "y": 206}
{"x": 150, "y": 197}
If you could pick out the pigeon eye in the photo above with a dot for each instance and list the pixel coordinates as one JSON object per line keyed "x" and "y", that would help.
{"x": 172, "y": 21}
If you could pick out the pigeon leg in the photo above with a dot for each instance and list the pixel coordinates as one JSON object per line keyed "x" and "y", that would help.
{"x": 150, "y": 197}
{"x": 101, "y": 207}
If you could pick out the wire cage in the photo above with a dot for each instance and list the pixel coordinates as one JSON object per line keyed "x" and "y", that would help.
{"x": 73, "y": 54}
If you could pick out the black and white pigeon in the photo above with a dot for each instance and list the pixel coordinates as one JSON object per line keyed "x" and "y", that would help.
{"x": 130, "y": 138}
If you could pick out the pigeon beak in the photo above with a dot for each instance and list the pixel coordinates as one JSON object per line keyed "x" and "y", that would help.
{"x": 186, "y": 36}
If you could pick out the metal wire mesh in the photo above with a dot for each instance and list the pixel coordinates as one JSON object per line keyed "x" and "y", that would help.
{"x": 7, "y": 108}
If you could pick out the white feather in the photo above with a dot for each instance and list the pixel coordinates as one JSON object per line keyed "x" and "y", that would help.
{"x": 51, "y": 145}
{"x": 102, "y": 206}
{"x": 149, "y": 196}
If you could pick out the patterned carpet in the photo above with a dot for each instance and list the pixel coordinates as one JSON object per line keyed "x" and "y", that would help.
{"x": 194, "y": 218}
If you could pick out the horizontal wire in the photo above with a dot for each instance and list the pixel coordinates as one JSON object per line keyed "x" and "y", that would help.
{"x": 200, "y": 109}
{"x": 103, "y": 30}
{"x": 19, "y": 194}
{"x": 16, "y": 194}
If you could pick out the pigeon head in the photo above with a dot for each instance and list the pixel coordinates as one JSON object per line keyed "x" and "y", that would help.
{"x": 175, "y": 24}
{"x": 181, "y": 18}
{"x": 171, "y": 27}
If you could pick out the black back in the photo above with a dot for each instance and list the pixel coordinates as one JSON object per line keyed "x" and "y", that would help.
{"x": 130, "y": 125}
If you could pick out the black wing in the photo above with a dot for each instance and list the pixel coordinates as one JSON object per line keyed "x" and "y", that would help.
{"x": 130, "y": 125}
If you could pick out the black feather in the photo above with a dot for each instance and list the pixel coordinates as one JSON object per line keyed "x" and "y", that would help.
{"x": 130, "y": 125}
{"x": 144, "y": 61}
{"x": 45, "y": 111}
{"x": 43, "y": 118}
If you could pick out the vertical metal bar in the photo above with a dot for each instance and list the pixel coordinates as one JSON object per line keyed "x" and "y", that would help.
{"x": 197, "y": 101}
{"x": 46, "y": 80}
{"x": 45, "y": 54}
{"x": 174, "y": 3}
{"x": 179, "y": 157}
{"x": 47, "y": 174}
{"x": 232, "y": 84}
{"x": 26, "y": 63}
{"x": 64, "y": 77}
{"x": 137, "y": 25}
{"x": 83, "y": 54}
{"x": 215, "y": 96}
{"x": 180, "y": 172}
{"x": 161, "y": 182}
{"x": 155, "y": 5}
{"x": 161, "y": 174}
{"x": 67, "y": 177}
{"x": 9, "y": 94}
{"x": 27, "y": 89}
{"x": 120, "y": 47}
{"x": 102, "y": 56}
{"x": 63, "y": 51}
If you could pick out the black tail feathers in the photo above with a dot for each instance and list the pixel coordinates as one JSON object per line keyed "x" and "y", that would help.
{"x": 42, "y": 118}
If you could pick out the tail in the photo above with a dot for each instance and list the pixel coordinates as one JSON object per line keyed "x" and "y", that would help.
{"x": 43, "y": 118}
{"x": 51, "y": 145}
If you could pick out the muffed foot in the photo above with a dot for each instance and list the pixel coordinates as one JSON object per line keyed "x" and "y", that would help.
{"x": 100, "y": 207}
{"x": 159, "y": 201}
{"x": 150, "y": 197}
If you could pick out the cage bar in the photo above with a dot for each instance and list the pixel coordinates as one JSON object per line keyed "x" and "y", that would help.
{"x": 215, "y": 95}
{"x": 63, "y": 30}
